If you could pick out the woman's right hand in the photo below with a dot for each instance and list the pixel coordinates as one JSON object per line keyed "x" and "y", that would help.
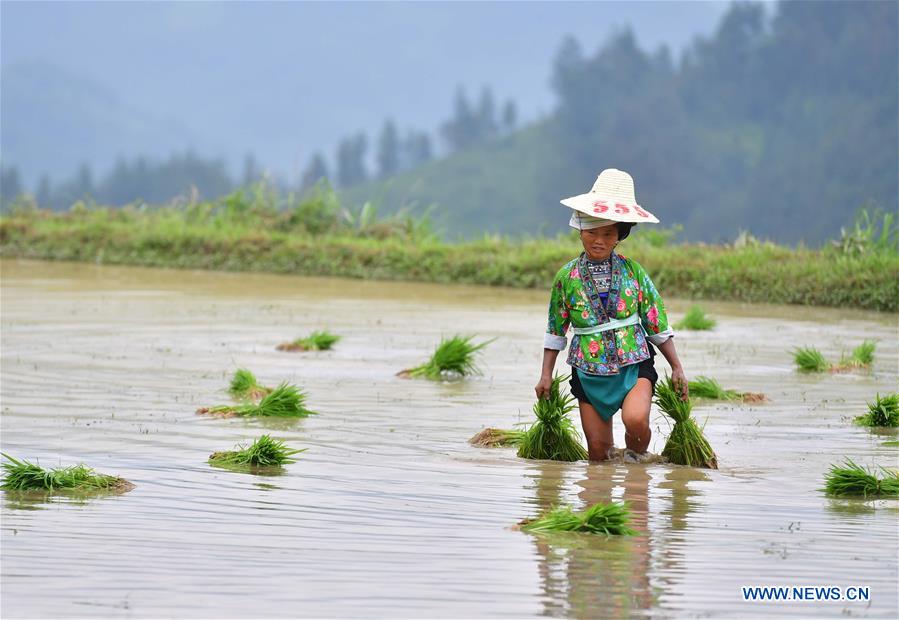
{"x": 544, "y": 386}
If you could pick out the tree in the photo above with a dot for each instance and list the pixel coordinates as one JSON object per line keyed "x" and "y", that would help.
{"x": 460, "y": 132}
{"x": 44, "y": 193}
{"x": 510, "y": 116}
{"x": 388, "y": 151}
{"x": 315, "y": 172}
{"x": 10, "y": 185}
{"x": 416, "y": 149}
{"x": 486, "y": 117}
{"x": 250, "y": 169}
{"x": 84, "y": 182}
{"x": 351, "y": 160}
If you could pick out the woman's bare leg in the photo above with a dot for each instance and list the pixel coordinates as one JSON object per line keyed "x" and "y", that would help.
{"x": 597, "y": 431}
{"x": 635, "y": 415}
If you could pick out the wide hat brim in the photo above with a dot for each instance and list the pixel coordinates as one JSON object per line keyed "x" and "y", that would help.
{"x": 594, "y": 205}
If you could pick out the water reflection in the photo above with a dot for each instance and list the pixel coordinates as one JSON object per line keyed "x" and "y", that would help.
{"x": 39, "y": 500}
{"x": 588, "y": 576}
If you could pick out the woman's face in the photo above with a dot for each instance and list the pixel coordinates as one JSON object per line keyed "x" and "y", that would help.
{"x": 599, "y": 242}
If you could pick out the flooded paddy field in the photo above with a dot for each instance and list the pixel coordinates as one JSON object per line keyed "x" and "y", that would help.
{"x": 390, "y": 512}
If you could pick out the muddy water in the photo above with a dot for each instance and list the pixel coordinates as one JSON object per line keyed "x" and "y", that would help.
{"x": 390, "y": 513}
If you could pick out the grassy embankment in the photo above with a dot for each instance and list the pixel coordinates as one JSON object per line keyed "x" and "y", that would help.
{"x": 254, "y": 230}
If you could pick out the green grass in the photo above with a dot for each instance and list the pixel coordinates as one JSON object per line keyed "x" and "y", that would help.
{"x": 285, "y": 401}
{"x": 706, "y": 387}
{"x": 852, "y": 480}
{"x": 891, "y": 444}
{"x": 497, "y": 438}
{"x": 553, "y": 436}
{"x": 320, "y": 237}
{"x": 453, "y": 356}
{"x": 696, "y": 319}
{"x": 883, "y": 412}
{"x": 25, "y": 476}
{"x": 264, "y": 452}
{"x": 245, "y": 386}
{"x": 686, "y": 445}
{"x": 607, "y": 519}
{"x": 316, "y": 341}
{"x": 809, "y": 359}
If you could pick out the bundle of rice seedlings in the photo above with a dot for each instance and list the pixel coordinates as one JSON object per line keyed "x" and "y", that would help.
{"x": 852, "y": 480}
{"x": 497, "y": 438}
{"x": 245, "y": 386}
{"x": 809, "y": 360}
{"x": 862, "y": 356}
{"x": 706, "y": 387}
{"x": 264, "y": 452}
{"x": 316, "y": 341}
{"x": 696, "y": 319}
{"x": 553, "y": 436}
{"x": 25, "y": 476}
{"x": 285, "y": 401}
{"x": 453, "y": 356}
{"x": 686, "y": 444}
{"x": 607, "y": 519}
{"x": 882, "y": 412}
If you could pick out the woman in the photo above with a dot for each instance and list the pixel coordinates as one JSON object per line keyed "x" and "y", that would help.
{"x": 614, "y": 309}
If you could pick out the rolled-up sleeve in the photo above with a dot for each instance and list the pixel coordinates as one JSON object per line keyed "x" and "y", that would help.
{"x": 559, "y": 319}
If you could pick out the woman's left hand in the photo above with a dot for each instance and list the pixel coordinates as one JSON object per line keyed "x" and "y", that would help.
{"x": 680, "y": 382}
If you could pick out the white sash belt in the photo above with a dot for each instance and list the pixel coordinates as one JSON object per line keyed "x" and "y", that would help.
{"x": 612, "y": 324}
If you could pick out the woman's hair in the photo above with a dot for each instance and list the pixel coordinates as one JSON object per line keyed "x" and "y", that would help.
{"x": 624, "y": 229}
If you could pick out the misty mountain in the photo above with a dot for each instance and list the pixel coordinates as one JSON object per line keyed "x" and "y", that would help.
{"x": 53, "y": 121}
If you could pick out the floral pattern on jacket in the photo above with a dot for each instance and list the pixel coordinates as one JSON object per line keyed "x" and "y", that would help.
{"x": 575, "y": 302}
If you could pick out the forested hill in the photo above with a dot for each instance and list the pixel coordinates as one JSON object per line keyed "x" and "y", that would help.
{"x": 782, "y": 124}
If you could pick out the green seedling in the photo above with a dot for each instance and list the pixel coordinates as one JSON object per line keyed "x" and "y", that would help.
{"x": 883, "y": 412}
{"x": 696, "y": 319}
{"x": 245, "y": 386}
{"x": 264, "y": 452}
{"x": 553, "y": 436}
{"x": 852, "y": 480}
{"x": 706, "y": 387}
{"x": 316, "y": 341}
{"x": 285, "y": 401}
{"x": 686, "y": 444}
{"x": 810, "y": 360}
{"x": 25, "y": 476}
{"x": 497, "y": 438}
{"x": 453, "y": 356}
{"x": 607, "y": 519}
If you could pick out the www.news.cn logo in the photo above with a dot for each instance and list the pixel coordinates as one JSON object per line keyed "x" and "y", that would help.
{"x": 806, "y": 593}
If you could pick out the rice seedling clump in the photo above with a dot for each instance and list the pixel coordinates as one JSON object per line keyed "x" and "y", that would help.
{"x": 245, "y": 386}
{"x": 853, "y": 480}
{"x": 497, "y": 438}
{"x": 696, "y": 319}
{"x": 25, "y": 476}
{"x": 285, "y": 401}
{"x": 862, "y": 356}
{"x": 264, "y": 452}
{"x": 882, "y": 412}
{"x": 706, "y": 387}
{"x": 553, "y": 436}
{"x": 809, "y": 359}
{"x": 686, "y": 443}
{"x": 453, "y": 356}
{"x": 316, "y": 341}
{"x": 607, "y": 519}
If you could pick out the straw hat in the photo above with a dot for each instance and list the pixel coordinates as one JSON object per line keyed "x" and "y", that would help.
{"x": 611, "y": 200}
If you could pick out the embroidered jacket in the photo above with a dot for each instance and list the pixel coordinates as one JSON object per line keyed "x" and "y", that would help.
{"x": 576, "y": 302}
